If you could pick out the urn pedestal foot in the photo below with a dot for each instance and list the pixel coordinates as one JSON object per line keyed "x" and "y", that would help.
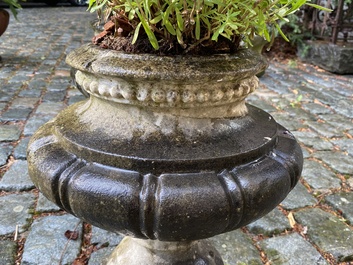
{"x": 135, "y": 251}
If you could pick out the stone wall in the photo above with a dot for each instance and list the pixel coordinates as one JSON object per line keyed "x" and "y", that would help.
{"x": 335, "y": 58}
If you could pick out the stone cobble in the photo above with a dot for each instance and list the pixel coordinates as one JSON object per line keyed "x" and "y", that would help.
{"x": 330, "y": 233}
{"x": 47, "y": 244}
{"x": 313, "y": 225}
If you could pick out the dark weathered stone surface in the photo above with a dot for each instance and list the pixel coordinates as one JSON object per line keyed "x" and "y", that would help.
{"x": 274, "y": 222}
{"x": 236, "y": 248}
{"x": 345, "y": 108}
{"x": 167, "y": 184}
{"x": 15, "y": 210}
{"x": 202, "y": 145}
{"x": 167, "y": 68}
{"x": 342, "y": 201}
{"x": 337, "y": 120}
{"x": 8, "y": 251}
{"x": 50, "y": 108}
{"x": 34, "y": 122}
{"x": 344, "y": 144}
{"x": 44, "y": 205}
{"x": 338, "y": 161}
{"x": 327, "y": 180}
{"x": 262, "y": 105}
{"x": 2, "y": 105}
{"x": 15, "y": 114}
{"x": 298, "y": 198}
{"x": 16, "y": 178}
{"x": 105, "y": 238}
{"x": 5, "y": 96}
{"x": 317, "y": 109}
{"x": 292, "y": 124}
{"x": 313, "y": 140}
{"x": 54, "y": 96}
{"x": 24, "y": 55}
{"x": 76, "y": 98}
{"x": 20, "y": 151}
{"x": 5, "y": 151}
{"x": 101, "y": 256}
{"x": 324, "y": 129}
{"x": 9, "y": 133}
{"x": 334, "y": 58}
{"x": 25, "y": 102}
{"x": 46, "y": 243}
{"x": 29, "y": 92}
{"x": 328, "y": 232}
{"x": 291, "y": 250}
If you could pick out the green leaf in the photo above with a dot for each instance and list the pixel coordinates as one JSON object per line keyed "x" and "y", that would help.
{"x": 136, "y": 33}
{"x": 217, "y": 32}
{"x": 281, "y": 32}
{"x": 132, "y": 14}
{"x": 319, "y": 7}
{"x": 156, "y": 19}
{"x": 180, "y": 20}
{"x": 151, "y": 37}
{"x": 14, "y": 11}
{"x": 213, "y": 2}
{"x": 234, "y": 26}
{"x": 180, "y": 38}
{"x": 100, "y": 6}
{"x": 91, "y": 3}
{"x": 166, "y": 21}
{"x": 267, "y": 35}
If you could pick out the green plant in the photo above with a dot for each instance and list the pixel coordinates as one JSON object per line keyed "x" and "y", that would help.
{"x": 197, "y": 23}
{"x": 305, "y": 48}
{"x": 297, "y": 101}
{"x": 295, "y": 30}
{"x": 14, "y": 6}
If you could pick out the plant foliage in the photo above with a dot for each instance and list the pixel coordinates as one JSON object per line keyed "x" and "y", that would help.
{"x": 198, "y": 22}
{"x": 14, "y": 5}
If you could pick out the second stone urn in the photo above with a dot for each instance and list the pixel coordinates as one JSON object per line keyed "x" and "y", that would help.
{"x": 165, "y": 151}
{"x": 4, "y": 20}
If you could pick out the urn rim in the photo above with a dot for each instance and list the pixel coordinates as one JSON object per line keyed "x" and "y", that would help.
{"x": 195, "y": 69}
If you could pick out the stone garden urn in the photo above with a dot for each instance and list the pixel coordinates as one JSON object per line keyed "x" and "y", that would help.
{"x": 165, "y": 151}
{"x": 4, "y": 20}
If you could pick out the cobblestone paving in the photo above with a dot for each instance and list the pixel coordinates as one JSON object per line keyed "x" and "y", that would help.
{"x": 312, "y": 226}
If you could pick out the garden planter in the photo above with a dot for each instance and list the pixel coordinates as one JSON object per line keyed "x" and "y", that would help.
{"x": 4, "y": 20}
{"x": 165, "y": 151}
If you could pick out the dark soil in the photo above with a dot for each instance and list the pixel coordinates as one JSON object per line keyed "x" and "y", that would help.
{"x": 110, "y": 39}
{"x": 143, "y": 45}
{"x": 117, "y": 35}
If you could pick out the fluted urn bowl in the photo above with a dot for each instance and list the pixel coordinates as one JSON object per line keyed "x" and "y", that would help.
{"x": 165, "y": 147}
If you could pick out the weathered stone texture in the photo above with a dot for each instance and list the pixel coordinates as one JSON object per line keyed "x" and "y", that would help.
{"x": 274, "y": 222}
{"x": 15, "y": 211}
{"x": 16, "y": 178}
{"x": 236, "y": 248}
{"x": 291, "y": 250}
{"x": 47, "y": 244}
{"x": 334, "y": 58}
{"x": 328, "y": 232}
